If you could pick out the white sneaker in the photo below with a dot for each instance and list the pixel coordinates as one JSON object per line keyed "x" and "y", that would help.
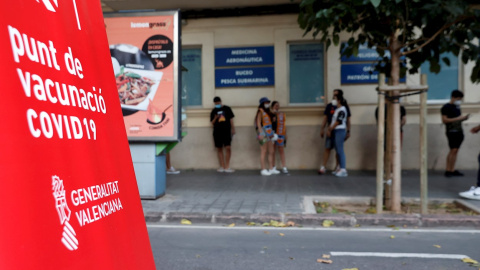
{"x": 172, "y": 171}
{"x": 341, "y": 173}
{"x": 220, "y": 170}
{"x": 284, "y": 170}
{"x": 322, "y": 170}
{"x": 265, "y": 172}
{"x": 473, "y": 193}
{"x": 336, "y": 170}
{"x": 229, "y": 170}
{"x": 274, "y": 171}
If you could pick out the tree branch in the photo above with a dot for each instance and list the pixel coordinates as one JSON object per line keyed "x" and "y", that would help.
{"x": 435, "y": 35}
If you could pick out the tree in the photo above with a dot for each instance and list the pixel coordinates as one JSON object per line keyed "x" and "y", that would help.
{"x": 419, "y": 30}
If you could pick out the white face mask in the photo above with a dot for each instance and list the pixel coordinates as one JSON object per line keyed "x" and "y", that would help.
{"x": 267, "y": 106}
{"x": 457, "y": 102}
{"x": 334, "y": 102}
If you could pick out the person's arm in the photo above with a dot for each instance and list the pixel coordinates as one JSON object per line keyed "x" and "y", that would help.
{"x": 475, "y": 129}
{"x": 404, "y": 120}
{"x": 214, "y": 119}
{"x": 447, "y": 120}
{"x": 259, "y": 121}
{"x": 348, "y": 129}
{"x": 324, "y": 124}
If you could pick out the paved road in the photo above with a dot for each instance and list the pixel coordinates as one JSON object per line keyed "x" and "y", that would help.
{"x": 181, "y": 247}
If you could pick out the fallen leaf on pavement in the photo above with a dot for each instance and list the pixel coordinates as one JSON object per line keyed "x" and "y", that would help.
{"x": 437, "y": 246}
{"x": 185, "y": 222}
{"x": 266, "y": 232}
{"x": 350, "y": 269}
{"x": 468, "y": 260}
{"x": 266, "y": 224}
{"x": 281, "y": 234}
{"x": 392, "y": 236}
{"x": 231, "y": 225}
{"x": 291, "y": 258}
{"x": 324, "y": 261}
{"x": 198, "y": 256}
{"x": 326, "y": 256}
{"x": 251, "y": 223}
{"x": 327, "y": 223}
{"x": 290, "y": 223}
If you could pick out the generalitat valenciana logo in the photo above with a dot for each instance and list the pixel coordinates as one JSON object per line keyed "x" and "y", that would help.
{"x": 50, "y": 4}
{"x": 69, "y": 238}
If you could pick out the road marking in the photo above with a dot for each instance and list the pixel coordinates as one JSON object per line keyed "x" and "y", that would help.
{"x": 241, "y": 227}
{"x": 400, "y": 255}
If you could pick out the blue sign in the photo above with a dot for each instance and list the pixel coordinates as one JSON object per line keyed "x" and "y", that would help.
{"x": 244, "y": 56}
{"x": 360, "y": 73}
{"x": 234, "y": 77}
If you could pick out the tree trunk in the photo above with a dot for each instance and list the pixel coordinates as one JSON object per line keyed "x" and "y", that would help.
{"x": 395, "y": 112}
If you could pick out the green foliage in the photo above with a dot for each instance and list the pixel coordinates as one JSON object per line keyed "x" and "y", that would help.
{"x": 420, "y": 30}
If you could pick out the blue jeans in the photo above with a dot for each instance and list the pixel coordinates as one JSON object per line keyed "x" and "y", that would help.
{"x": 339, "y": 137}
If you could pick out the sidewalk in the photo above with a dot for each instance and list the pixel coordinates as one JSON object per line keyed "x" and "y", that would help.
{"x": 205, "y": 196}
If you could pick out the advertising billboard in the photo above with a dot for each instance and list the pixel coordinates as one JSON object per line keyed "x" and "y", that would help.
{"x": 68, "y": 194}
{"x": 145, "y": 49}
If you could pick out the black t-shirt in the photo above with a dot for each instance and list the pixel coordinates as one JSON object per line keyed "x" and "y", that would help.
{"x": 452, "y": 111}
{"x": 330, "y": 110}
{"x": 222, "y": 124}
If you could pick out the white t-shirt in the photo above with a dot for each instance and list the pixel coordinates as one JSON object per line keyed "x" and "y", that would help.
{"x": 340, "y": 116}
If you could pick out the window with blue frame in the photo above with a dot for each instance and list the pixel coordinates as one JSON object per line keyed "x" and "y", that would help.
{"x": 192, "y": 77}
{"x": 441, "y": 84}
{"x": 306, "y": 62}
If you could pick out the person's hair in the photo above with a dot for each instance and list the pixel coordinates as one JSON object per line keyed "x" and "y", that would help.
{"x": 273, "y": 103}
{"x": 216, "y": 99}
{"x": 340, "y": 92}
{"x": 341, "y": 99}
{"x": 457, "y": 94}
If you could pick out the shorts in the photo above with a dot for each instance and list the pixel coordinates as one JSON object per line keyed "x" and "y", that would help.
{"x": 281, "y": 141}
{"x": 330, "y": 142}
{"x": 455, "y": 139}
{"x": 222, "y": 139}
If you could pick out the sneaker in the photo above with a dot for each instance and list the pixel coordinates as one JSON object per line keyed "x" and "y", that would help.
{"x": 336, "y": 170}
{"x": 322, "y": 170}
{"x": 274, "y": 171}
{"x": 457, "y": 173}
{"x": 172, "y": 171}
{"x": 265, "y": 172}
{"x": 284, "y": 170}
{"x": 448, "y": 174}
{"x": 220, "y": 170}
{"x": 473, "y": 193}
{"x": 229, "y": 170}
{"x": 341, "y": 173}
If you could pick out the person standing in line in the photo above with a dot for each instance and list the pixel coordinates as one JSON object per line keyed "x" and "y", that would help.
{"x": 452, "y": 118}
{"x": 279, "y": 125}
{"x": 266, "y": 136}
{"x": 474, "y": 192}
{"x": 329, "y": 141}
{"x": 338, "y": 130}
{"x": 221, "y": 119}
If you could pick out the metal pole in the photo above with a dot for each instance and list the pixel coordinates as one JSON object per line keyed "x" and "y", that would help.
{"x": 380, "y": 144}
{"x": 423, "y": 148}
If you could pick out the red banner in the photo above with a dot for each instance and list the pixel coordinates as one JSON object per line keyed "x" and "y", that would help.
{"x": 69, "y": 199}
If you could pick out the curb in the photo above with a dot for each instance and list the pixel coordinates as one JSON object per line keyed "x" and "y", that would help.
{"x": 340, "y": 220}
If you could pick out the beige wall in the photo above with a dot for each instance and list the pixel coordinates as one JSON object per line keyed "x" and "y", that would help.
{"x": 304, "y": 145}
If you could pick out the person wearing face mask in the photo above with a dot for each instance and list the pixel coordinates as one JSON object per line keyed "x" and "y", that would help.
{"x": 279, "y": 125}
{"x": 338, "y": 131}
{"x": 329, "y": 143}
{"x": 221, "y": 119}
{"x": 266, "y": 136}
{"x": 452, "y": 118}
